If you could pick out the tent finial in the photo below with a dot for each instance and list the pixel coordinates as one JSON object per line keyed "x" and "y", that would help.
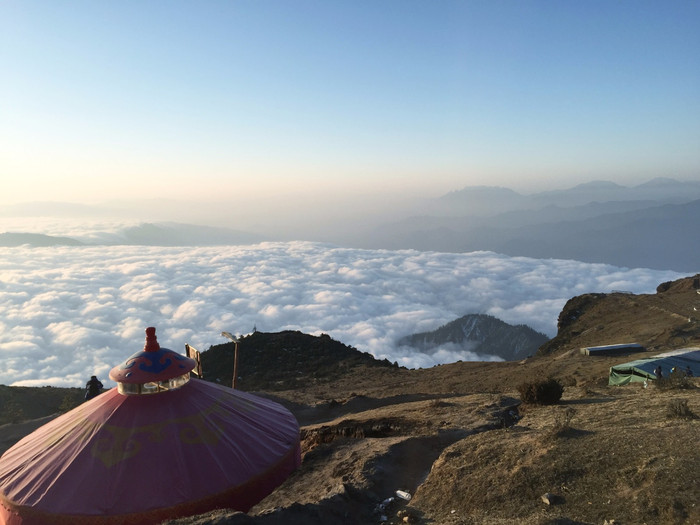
{"x": 151, "y": 340}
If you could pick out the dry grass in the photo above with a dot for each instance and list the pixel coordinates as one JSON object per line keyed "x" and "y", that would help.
{"x": 622, "y": 461}
{"x": 678, "y": 408}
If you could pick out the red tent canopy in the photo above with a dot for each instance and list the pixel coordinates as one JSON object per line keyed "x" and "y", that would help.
{"x": 125, "y": 457}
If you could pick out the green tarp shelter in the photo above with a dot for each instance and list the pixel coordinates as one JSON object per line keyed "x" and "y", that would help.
{"x": 643, "y": 369}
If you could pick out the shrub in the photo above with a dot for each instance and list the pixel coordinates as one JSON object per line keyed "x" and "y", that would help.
{"x": 541, "y": 392}
{"x": 562, "y": 419}
{"x": 568, "y": 381}
{"x": 562, "y": 423}
{"x": 675, "y": 381}
{"x": 437, "y": 403}
{"x": 678, "y": 408}
{"x": 13, "y": 412}
{"x": 69, "y": 402}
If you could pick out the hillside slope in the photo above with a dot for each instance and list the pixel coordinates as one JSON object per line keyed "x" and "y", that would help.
{"x": 630, "y": 234}
{"x": 284, "y": 360}
{"x": 666, "y": 320}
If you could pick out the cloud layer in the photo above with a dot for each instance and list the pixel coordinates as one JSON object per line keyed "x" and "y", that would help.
{"x": 69, "y": 312}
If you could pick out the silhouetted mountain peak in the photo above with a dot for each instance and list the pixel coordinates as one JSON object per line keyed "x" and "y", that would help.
{"x": 597, "y": 185}
{"x": 479, "y": 200}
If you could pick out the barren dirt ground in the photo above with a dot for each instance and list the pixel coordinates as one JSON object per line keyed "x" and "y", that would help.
{"x": 455, "y": 438}
{"x": 603, "y": 453}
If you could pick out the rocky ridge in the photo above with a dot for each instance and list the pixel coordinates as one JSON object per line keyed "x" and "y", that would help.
{"x": 481, "y": 334}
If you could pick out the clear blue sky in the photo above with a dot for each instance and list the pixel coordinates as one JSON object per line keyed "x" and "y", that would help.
{"x": 215, "y": 99}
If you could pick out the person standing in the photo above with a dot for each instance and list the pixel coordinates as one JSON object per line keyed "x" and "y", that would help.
{"x": 92, "y": 388}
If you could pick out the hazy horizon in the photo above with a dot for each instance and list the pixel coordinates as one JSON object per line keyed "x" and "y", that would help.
{"x": 325, "y": 218}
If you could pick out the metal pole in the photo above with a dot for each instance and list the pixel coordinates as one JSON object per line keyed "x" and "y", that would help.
{"x": 228, "y": 335}
{"x": 235, "y": 364}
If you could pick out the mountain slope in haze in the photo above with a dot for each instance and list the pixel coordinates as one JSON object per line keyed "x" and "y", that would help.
{"x": 652, "y": 225}
{"x": 664, "y": 237}
{"x": 9, "y": 239}
{"x": 480, "y": 200}
{"x": 144, "y": 234}
{"x": 481, "y": 334}
{"x": 439, "y": 233}
{"x": 178, "y": 234}
{"x": 475, "y": 200}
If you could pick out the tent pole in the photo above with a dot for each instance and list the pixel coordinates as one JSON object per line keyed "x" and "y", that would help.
{"x": 235, "y": 364}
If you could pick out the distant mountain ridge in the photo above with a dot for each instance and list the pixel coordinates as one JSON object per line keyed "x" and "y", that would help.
{"x": 477, "y": 200}
{"x": 652, "y": 225}
{"x": 178, "y": 234}
{"x": 145, "y": 234}
{"x": 9, "y": 239}
{"x": 482, "y": 334}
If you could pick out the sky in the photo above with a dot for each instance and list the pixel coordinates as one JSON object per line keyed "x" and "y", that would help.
{"x": 67, "y": 313}
{"x": 270, "y": 101}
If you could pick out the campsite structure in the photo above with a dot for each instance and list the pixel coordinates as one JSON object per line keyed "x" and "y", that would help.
{"x": 643, "y": 369}
{"x": 617, "y": 349}
{"x": 156, "y": 447}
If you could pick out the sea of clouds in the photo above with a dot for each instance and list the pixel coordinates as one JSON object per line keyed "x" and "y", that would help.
{"x": 67, "y": 313}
